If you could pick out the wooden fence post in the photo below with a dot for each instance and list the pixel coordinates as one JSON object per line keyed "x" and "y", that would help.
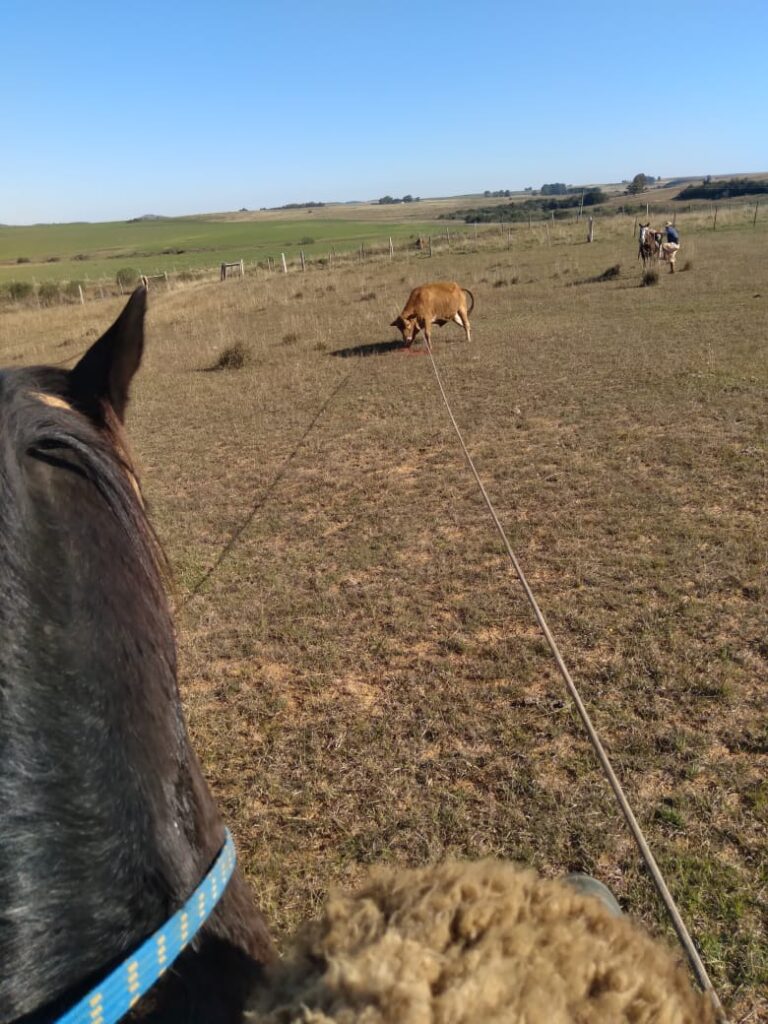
{"x": 448, "y": 237}
{"x": 754, "y": 219}
{"x": 285, "y": 265}
{"x": 303, "y": 264}
{"x": 225, "y": 267}
{"x": 634, "y": 228}
{"x": 391, "y": 248}
{"x": 714, "y": 226}
{"x": 591, "y": 233}
{"x": 430, "y": 245}
{"x": 82, "y": 297}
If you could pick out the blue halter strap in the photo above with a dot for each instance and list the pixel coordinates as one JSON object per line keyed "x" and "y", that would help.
{"x": 122, "y": 989}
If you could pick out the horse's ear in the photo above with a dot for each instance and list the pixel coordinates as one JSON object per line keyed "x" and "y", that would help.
{"x": 105, "y": 372}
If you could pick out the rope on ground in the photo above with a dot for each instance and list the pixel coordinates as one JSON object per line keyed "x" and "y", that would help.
{"x": 637, "y": 833}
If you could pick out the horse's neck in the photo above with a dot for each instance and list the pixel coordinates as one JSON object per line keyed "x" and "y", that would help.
{"x": 104, "y": 815}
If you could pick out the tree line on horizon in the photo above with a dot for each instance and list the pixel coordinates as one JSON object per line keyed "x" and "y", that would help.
{"x": 391, "y": 200}
{"x": 729, "y": 189}
{"x": 561, "y": 207}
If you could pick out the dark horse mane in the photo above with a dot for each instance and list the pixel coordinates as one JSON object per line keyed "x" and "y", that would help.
{"x": 106, "y": 823}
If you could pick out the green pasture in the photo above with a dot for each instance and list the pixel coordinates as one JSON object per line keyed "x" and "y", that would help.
{"x": 65, "y": 252}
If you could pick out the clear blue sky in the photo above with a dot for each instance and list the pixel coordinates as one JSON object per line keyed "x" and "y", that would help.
{"x": 112, "y": 110}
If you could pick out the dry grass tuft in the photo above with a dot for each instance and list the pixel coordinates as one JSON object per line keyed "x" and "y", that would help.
{"x": 610, "y": 273}
{"x": 650, "y": 278}
{"x": 234, "y": 357}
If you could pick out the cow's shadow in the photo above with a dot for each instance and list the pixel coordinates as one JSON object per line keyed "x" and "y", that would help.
{"x": 375, "y": 348}
{"x": 383, "y": 348}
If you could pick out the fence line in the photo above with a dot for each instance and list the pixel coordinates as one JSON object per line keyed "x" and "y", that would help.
{"x": 461, "y": 238}
{"x": 146, "y": 279}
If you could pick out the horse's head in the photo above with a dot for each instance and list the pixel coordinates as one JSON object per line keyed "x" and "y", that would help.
{"x": 71, "y": 498}
{"x": 106, "y": 822}
{"x": 75, "y": 418}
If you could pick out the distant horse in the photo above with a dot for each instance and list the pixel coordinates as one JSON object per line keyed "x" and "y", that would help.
{"x": 649, "y": 244}
{"x": 106, "y": 823}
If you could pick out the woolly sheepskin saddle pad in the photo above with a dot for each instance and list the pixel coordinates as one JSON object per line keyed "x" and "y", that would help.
{"x": 486, "y": 943}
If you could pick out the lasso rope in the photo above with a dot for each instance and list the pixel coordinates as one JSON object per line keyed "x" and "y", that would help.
{"x": 238, "y": 531}
{"x": 637, "y": 833}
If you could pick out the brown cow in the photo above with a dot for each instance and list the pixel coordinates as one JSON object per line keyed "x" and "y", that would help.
{"x": 435, "y": 303}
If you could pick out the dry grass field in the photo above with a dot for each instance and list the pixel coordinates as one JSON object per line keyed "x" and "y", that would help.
{"x": 363, "y": 678}
{"x": 395, "y": 213}
{"x": 428, "y": 209}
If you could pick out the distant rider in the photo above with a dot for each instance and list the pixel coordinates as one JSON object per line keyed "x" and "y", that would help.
{"x": 670, "y": 247}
